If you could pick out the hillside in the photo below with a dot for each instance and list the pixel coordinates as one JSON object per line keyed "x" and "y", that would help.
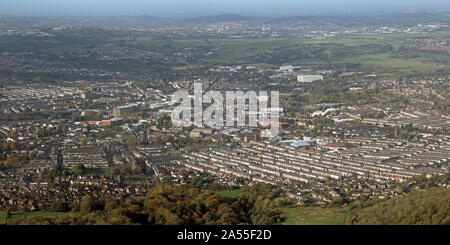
{"x": 429, "y": 207}
{"x": 165, "y": 205}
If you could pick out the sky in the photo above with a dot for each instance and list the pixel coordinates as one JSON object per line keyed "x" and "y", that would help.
{"x": 190, "y": 8}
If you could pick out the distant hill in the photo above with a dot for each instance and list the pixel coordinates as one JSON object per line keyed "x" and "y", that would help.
{"x": 429, "y": 207}
{"x": 220, "y": 18}
{"x": 146, "y": 18}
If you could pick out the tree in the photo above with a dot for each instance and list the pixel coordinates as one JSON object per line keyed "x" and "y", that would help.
{"x": 111, "y": 205}
{"x": 12, "y": 161}
{"x": 132, "y": 141}
{"x": 14, "y": 134}
{"x": 59, "y": 206}
{"x": 56, "y": 171}
{"x": 87, "y": 204}
{"x": 78, "y": 169}
{"x": 7, "y": 215}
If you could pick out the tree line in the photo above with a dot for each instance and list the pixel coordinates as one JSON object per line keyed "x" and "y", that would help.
{"x": 167, "y": 204}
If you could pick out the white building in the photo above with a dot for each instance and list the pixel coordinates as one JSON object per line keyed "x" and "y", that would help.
{"x": 309, "y": 78}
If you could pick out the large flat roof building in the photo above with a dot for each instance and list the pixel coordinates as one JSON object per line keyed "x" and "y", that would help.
{"x": 124, "y": 110}
{"x": 309, "y": 78}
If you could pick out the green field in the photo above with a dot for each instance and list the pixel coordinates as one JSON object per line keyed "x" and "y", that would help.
{"x": 371, "y": 51}
{"x": 313, "y": 216}
{"x": 226, "y": 50}
{"x": 15, "y": 214}
{"x": 385, "y": 60}
{"x": 168, "y": 44}
{"x": 62, "y": 47}
{"x": 229, "y": 195}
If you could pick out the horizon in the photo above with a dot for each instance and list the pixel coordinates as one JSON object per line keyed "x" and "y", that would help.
{"x": 360, "y": 14}
{"x": 196, "y": 8}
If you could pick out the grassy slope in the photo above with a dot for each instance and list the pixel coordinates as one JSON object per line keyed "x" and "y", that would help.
{"x": 313, "y": 216}
{"x": 229, "y": 195}
{"x": 421, "y": 207}
{"x": 26, "y": 214}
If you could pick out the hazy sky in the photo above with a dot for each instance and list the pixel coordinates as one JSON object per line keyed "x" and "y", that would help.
{"x": 183, "y": 8}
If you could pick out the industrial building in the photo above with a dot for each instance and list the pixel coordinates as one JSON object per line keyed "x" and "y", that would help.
{"x": 309, "y": 78}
